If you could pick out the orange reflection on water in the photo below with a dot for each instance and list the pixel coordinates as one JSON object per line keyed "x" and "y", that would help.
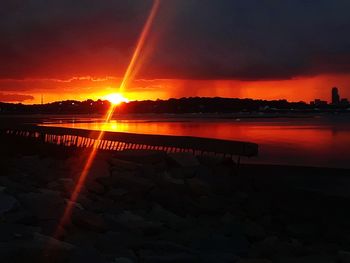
{"x": 300, "y": 142}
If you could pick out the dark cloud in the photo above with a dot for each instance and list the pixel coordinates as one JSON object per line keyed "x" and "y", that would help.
{"x": 5, "y": 97}
{"x": 201, "y": 39}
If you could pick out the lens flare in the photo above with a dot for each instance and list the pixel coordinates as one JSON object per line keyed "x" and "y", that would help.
{"x": 115, "y": 99}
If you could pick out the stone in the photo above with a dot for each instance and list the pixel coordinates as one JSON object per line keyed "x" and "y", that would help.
{"x": 166, "y": 176}
{"x": 237, "y": 244}
{"x": 89, "y": 221}
{"x": 123, "y": 260}
{"x": 142, "y": 156}
{"x": 343, "y": 256}
{"x": 45, "y": 206}
{"x": 131, "y": 182}
{"x": 7, "y": 203}
{"x": 149, "y": 256}
{"x": 119, "y": 164}
{"x": 198, "y": 187}
{"x": 307, "y": 259}
{"x": 138, "y": 223}
{"x": 170, "y": 219}
{"x": 10, "y": 232}
{"x": 100, "y": 168}
{"x": 118, "y": 243}
{"x": 116, "y": 193}
{"x": 254, "y": 260}
{"x": 86, "y": 255}
{"x": 184, "y": 159}
{"x": 217, "y": 258}
{"x": 52, "y": 242}
{"x": 95, "y": 187}
{"x": 253, "y": 230}
{"x": 302, "y": 230}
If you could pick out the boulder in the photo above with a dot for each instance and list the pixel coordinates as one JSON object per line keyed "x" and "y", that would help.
{"x": 236, "y": 244}
{"x": 254, "y": 260}
{"x": 158, "y": 213}
{"x": 45, "y": 206}
{"x": 89, "y": 221}
{"x": 142, "y": 156}
{"x": 118, "y": 164}
{"x": 253, "y": 230}
{"x": 198, "y": 187}
{"x": 95, "y": 187}
{"x": 343, "y": 256}
{"x": 7, "y": 203}
{"x": 217, "y": 258}
{"x": 148, "y": 256}
{"x": 131, "y": 182}
{"x": 138, "y": 223}
{"x": 184, "y": 159}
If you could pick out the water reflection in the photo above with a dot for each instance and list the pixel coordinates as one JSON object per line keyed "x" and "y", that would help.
{"x": 314, "y": 142}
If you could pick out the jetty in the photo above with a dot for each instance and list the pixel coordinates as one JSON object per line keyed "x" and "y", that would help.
{"x": 119, "y": 141}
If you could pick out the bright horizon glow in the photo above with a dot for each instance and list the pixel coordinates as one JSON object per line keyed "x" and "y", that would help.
{"x": 115, "y": 98}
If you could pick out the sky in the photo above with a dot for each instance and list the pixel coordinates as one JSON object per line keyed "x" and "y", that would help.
{"x": 266, "y": 49}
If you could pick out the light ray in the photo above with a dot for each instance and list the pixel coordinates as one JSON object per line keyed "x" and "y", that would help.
{"x": 129, "y": 73}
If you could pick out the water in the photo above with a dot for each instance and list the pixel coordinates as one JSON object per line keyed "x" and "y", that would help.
{"x": 316, "y": 141}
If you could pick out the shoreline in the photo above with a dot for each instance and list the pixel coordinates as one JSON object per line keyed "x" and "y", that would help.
{"x": 148, "y": 206}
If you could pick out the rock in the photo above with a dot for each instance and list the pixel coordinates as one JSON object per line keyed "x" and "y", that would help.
{"x": 7, "y": 203}
{"x": 184, "y": 159}
{"x": 138, "y": 223}
{"x": 254, "y": 260}
{"x": 100, "y": 168}
{"x": 166, "y": 176}
{"x": 198, "y": 187}
{"x": 142, "y": 156}
{"x": 118, "y": 243}
{"x": 10, "y": 232}
{"x": 343, "y": 256}
{"x": 95, "y": 187}
{"x": 149, "y": 256}
{"x": 302, "y": 230}
{"x": 307, "y": 259}
{"x": 273, "y": 246}
{"x": 253, "y": 230}
{"x": 117, "y": 193}
{"x": 170, "y": 219}
{"x": 52, "y": 242}
{"x": 217, "y": 258}
{"x": 123, "y": 260}
{"x": 45, "y": 206}
{"x": 39, "y": 249}
{"x": 237, "y": 244}
{"x": 89, "y": 221}
{"x": 131, "y": 182}
{"x": 119, "y": 164}
{"x": 86, "y": 255}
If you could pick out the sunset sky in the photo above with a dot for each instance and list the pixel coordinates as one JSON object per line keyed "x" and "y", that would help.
{"x": 63, "y": 49}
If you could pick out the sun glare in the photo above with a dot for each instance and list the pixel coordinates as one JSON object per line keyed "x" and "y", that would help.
{"x": 116, "y": 98}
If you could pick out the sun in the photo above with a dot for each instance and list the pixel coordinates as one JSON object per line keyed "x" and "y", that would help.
{"x": 116, "y": 98}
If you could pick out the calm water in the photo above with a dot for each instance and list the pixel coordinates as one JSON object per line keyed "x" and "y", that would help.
{"x": 317, "y": 141}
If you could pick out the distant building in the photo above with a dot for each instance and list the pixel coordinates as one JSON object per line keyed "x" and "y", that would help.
{"x": 344, "y": 101}
{"x": 318, "y": 102}
{"x": 335, "y": 96}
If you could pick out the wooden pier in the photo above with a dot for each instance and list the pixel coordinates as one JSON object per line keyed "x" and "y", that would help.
{"x": 119, "y": 141}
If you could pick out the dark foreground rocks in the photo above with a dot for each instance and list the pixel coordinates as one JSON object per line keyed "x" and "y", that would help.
{"x": 144, "y": 206}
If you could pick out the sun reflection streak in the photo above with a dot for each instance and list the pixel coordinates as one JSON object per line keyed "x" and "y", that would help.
{"x": 129, "y": 73}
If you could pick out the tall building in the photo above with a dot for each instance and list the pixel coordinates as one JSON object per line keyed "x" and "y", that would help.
{"x": 335, "y": 96}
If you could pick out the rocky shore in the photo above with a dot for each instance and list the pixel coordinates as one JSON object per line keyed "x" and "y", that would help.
{"x": 144, "y": 206}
